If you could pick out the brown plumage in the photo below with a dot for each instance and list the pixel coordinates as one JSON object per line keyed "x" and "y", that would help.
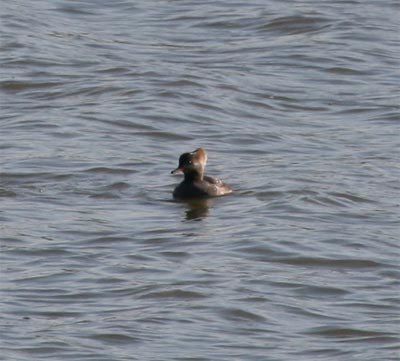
{"x": 195, "y": 183}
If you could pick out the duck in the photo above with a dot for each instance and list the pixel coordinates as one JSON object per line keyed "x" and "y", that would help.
{"x": 195, "y": 184}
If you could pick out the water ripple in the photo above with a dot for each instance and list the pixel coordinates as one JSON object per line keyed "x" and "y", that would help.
{"x": 297, "y": 105}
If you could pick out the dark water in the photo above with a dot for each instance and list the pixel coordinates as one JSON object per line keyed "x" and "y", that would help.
{"x": 297, "y": 103}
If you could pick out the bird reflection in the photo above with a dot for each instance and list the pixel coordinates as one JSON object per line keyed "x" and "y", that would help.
{"x": 196, "y": 209}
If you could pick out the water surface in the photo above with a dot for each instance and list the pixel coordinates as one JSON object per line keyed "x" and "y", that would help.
{"x": 297, "y": 104}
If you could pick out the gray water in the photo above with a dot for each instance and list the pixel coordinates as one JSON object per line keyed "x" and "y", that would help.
{"x": 297, "y": 103}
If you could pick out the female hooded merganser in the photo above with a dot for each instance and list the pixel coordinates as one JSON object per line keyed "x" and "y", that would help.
{"x": 196, "y": 184}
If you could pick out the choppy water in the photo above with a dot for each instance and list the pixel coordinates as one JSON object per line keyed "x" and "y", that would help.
{"x": 297, "y": 103}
